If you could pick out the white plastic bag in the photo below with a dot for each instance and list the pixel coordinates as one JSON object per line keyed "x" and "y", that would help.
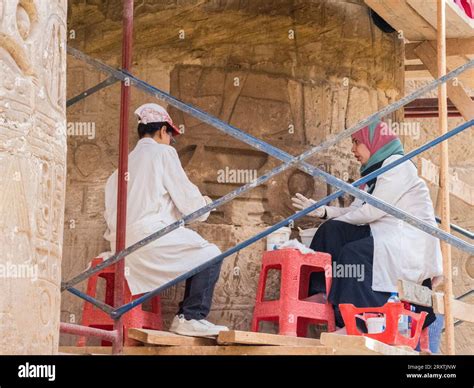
{"x": 295, "y": 244}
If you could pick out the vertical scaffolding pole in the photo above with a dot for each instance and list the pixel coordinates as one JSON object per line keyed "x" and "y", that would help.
{"x": 444, "y": 176}
{"x": 119, "y": 284}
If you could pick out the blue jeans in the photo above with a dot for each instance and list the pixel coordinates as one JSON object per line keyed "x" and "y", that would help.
{"x": 435, "y": 330}
{"x": 198, "y": 293}
{"x": 435, "y": 333}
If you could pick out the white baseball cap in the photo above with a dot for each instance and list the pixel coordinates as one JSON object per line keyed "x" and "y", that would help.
{"x": 154, "y": 113}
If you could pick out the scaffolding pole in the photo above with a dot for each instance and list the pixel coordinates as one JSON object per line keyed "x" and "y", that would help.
{"x": 444, "y": 176}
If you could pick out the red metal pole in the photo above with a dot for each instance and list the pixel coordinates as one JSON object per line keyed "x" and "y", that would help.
{"x": 85, "y": 331}
{"x": 119, "y": 286}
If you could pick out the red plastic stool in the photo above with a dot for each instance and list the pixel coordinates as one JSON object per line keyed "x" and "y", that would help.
{"x": 425, "y": 340}
{"x": 392, "y": 312}
{"x": 135, "y": 318}
{"x": 291, "y": 312}
{"x": 424, "y": 337}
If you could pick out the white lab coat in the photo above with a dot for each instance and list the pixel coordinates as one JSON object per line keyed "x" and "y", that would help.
{"x": 159, "y": 193}
{"x": 401, "y": 251}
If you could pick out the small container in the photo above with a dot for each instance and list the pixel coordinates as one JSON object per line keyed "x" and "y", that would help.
{"x": 278, "y": 238}
{"x": 306, "y": 236}
{"x": 375, "y": 325}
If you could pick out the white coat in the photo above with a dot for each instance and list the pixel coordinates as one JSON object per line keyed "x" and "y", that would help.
{"x": 401, "y": 251}
{"x": 159, "y": 193}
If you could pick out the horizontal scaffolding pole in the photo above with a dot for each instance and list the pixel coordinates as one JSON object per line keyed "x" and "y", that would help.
{"x": 249, "y": 140}
{"x": 85, "y": 331}
{"x": 308, "y": 210}
{"x": 458, "y": 229}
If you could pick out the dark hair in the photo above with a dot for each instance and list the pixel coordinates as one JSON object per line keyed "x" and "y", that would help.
{"x": 152, "y": 128}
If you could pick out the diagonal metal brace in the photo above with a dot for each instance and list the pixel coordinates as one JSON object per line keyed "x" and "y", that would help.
{"x": 107, "y": 82}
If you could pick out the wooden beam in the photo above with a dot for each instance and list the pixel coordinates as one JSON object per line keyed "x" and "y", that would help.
{"x": 401, "y": 16}
{"x": 165, "y": 338}
{"x": 466, "y": 107}
{"x": 458, "y": 188}
{"x": 466, "y": 79}
{"x": 461, "y": 310}
{"x": 456, "y": 93}
{"x": 458, "y": 25}
{"x": 252, "y": 338}
{"x": 414, "y": 293}
{"x": 354, "y": 344}
{"x": 415, "y": 67}
{"x": 204, "y": 350}
{"x": 454, "y": 47}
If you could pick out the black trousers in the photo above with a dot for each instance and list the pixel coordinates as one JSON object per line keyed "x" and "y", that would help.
{"x": 198, "y": 293}
{"x": 352, "y": 250}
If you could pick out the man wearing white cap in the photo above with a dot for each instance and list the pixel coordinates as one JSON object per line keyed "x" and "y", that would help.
{"x": 160, "y": 193}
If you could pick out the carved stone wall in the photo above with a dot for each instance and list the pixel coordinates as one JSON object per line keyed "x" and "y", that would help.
{"x": 32, "y": 172}
{"x": 292, "y": 73}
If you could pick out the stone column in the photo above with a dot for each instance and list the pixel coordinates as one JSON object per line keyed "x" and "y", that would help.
{"x": 32, "y": 172}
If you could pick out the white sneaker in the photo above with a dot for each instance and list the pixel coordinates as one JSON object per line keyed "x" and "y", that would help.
{"x": 219, "y": 328}
{"x": 195, "y": 328}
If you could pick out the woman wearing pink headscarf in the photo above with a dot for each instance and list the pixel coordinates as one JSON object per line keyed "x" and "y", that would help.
{"x": 373, "y": 249}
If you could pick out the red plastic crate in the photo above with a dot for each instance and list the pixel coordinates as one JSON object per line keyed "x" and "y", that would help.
{"x": 392, "y": 312}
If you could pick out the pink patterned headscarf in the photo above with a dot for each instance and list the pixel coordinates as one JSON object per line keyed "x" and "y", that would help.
{"x": 375, "y": 138}
{"x": 380, "y": 141}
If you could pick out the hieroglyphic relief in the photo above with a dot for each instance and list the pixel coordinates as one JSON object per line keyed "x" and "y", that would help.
{"x": 274, "y": 113}
{"x": 54, "y": 59}
{"x": 32, "y": 162}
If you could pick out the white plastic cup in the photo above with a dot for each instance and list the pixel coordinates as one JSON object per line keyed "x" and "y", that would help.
{"x": 375, "y": 325}
{"x": 278, "y": 238}
{"x": 306, "y": 236}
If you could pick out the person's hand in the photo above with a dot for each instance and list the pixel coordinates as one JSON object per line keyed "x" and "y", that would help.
{"x": 301, "y": 202}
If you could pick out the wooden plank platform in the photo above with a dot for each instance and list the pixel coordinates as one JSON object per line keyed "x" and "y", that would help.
{"x": 204, "y": 350}
{"x": 165, "y": 338}
{"x": 252, "y": 338}
{"x": 241, "y": 343}
{"x": 352, "y": 344}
